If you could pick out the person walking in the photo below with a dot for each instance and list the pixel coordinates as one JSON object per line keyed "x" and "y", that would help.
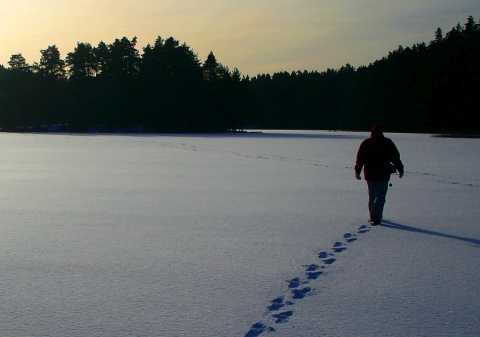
{"x": 377, "y": 154}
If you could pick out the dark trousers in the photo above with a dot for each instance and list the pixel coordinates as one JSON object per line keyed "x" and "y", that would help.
{"x": 377, "y": 191}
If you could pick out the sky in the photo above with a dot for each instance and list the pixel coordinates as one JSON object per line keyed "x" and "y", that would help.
{"x": 255, "y": 36}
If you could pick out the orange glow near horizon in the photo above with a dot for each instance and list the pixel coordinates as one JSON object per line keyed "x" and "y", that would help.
{"x": 255, "y": 36}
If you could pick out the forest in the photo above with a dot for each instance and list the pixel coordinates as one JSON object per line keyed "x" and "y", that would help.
{"x": 432, "y": 88}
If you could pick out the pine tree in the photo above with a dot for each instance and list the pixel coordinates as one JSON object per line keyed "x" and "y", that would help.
{"x": 18, "y": 62}
{"x": 81, "y": 61}
{"x": 51, "y": 65}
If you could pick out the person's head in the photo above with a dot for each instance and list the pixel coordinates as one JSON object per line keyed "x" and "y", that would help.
{"x": 377, "y": 131}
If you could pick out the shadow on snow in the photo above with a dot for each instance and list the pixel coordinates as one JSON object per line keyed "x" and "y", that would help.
{"x": 390, "y": 224}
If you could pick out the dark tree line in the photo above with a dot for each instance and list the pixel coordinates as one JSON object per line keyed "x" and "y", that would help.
{"x": 115, "y": 88}
{"x": 423, "y": 88}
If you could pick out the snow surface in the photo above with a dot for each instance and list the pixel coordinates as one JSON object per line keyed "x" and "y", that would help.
{"x": 235, "y": 235}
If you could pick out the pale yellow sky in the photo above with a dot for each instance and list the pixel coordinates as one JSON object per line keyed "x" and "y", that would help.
{"x": 256, "y": 36}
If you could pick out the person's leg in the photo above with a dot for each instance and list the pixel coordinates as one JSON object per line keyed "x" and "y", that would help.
{"x": 379, "y": 193}
{"x": 371, "y": 197}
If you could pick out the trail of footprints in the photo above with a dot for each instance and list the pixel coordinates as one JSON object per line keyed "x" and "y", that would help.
{"x": 450, "y": 180}
{"x": 282, "y": 308}
{"x": 437, "y": 178}
{"x": 447, "y": 179}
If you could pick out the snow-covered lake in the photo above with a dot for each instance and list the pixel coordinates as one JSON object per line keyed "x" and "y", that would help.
{"x": 235, "y": 235}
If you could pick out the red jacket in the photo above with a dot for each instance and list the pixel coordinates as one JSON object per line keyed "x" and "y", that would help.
{"x": 371, "y": 153}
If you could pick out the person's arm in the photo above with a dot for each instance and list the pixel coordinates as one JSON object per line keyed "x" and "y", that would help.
{"x": 395, "y": 160}
{"x": 360, "y": 161}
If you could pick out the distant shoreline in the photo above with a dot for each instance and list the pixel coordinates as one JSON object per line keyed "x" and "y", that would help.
{"x": 250, "y": 131}
{"x": 457, "y": 135}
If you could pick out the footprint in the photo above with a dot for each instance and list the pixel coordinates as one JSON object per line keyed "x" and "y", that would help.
{"x": 282, "y": 317}
{"x": 312, "y": 267}
{"x": 364, "y": 231}
{"x": 277, "y": 304}
{"x": 348, "y": 235}
{"x": 339, "y": 250}
{"x": 314, "y": 275}
{"x": 294, "y": 283}
{"x": 322, "y": 255}
{"x": 298, "y": 294}
{"x": 256, "y": 330}
{"x": 338, "y": 244}
{"x": 329, "y": 261}
{"x": 352, "y": 240}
